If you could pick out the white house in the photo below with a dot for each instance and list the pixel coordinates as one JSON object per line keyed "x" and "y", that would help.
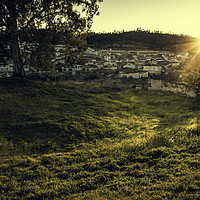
{"x": 155, "y": 70}
{"x": 110, "y": 64}
{"x": 129, "y": 66}
{"x": 135, "y": 75}
{"x": 92, "y": 53}
{"x": 175, "y": 62}
{"x": 90, "y": 68}
{"x": 153, "y": 62}
{"x": 109, "y": 57}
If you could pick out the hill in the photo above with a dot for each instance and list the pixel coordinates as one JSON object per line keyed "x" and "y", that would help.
{"x": 81, "y": 141}
{"x": 141, "y": 39}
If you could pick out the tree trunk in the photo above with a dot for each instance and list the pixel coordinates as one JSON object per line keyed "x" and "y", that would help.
{"x": 15, "y": 49}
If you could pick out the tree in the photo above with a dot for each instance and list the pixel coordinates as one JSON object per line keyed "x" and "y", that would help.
{"x": 42, "y": 56}
{"x": 19, "y": 17}
{"x": 191, "y": 74}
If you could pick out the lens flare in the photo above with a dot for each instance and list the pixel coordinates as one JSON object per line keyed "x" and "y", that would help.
{"x": 191, "y": 72}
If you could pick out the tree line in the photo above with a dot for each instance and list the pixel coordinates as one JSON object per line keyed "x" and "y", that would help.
{"x": 150, "y": 39}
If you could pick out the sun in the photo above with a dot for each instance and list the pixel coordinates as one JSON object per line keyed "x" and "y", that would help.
{"x": 193, "y": 47}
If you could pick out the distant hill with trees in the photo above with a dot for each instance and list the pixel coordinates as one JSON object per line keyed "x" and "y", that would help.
{"x": 141, "y": 39}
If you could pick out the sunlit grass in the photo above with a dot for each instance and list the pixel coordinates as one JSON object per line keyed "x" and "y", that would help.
{"x": 77, "y": 141}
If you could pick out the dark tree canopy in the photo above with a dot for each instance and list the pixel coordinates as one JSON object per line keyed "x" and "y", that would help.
{"x": 19, "y": 17}
{"x": 149, "y": 39}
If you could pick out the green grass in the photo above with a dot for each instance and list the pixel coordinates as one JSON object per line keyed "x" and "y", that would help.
{"x": 81, "y": 141}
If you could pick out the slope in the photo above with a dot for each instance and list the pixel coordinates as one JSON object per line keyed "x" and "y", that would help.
{"x": 81, "y": 141}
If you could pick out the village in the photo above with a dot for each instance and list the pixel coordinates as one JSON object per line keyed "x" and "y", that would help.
{"x": 125, "y": 68}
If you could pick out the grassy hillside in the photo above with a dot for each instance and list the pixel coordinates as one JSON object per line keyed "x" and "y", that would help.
{"x": 76, "y": 141}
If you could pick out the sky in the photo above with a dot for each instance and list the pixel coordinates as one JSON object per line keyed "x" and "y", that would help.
{"x": 176, "y": 16}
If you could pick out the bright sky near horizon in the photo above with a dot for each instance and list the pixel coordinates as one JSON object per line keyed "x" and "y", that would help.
{"x": 176, "y": 16}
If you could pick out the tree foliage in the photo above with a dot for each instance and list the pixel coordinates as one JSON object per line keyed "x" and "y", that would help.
{"x": 191, "y": 74}
{"x": 20, "y": 17}
{"x": 42, "y": 56}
